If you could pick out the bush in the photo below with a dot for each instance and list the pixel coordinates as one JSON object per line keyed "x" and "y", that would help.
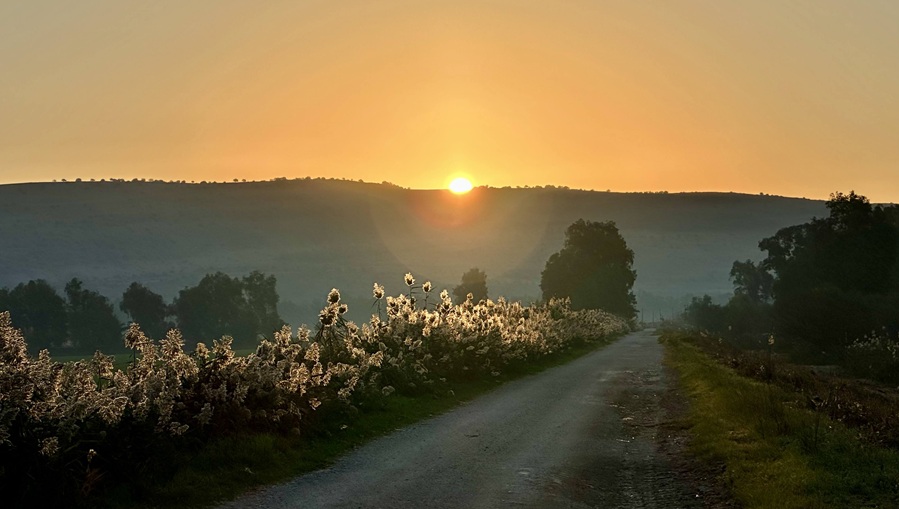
{"x": 91, "y": 425}
{"x": 875, "y": 355}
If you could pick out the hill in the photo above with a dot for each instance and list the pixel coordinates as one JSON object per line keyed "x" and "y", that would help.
{"x": 315, "y": 234}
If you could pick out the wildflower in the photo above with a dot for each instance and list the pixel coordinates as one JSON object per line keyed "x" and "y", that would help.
{"x": 49, "y": 446}
{"x": 205, "y": 414}
{"x": 202, "y": 351}
{"x": 327, "y": 316}
{"x": 334, "y": 296}
{"x": 342, "y": 309}
{"x": 771, "y": 340}
{"x": 134, "y": 337}
{"x": 378, "y": 291}
{"x": 426, "y": 287}
{"x": 409, "y": 279}
{"x": 91, "y": 454}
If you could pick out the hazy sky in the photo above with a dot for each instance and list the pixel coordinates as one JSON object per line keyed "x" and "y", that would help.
{"x": 797, "y": 98}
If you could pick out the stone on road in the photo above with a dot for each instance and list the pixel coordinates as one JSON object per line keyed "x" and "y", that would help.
{"x": 579, "y": 435}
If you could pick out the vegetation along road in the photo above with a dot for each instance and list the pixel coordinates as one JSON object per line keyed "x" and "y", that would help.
{"x": 579, "y": 435}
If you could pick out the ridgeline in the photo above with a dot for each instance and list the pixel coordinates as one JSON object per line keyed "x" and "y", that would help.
{"x": 315, "y": 234}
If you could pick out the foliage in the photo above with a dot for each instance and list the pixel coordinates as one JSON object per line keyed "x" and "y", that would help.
{"x": 875, "y": 355}
{"x": 38, "y": 311}
{"x": 92, "y": 323}
{"x": 836, "y": 277}
{"x": 705, "y": 315}
{"x": 221, "y": 305}
{"x": 146, "y": 308}
{"x": 474, "y": 282}
{"x": 752, "y": 281}
{"x": 88, "y": 424}
{"x": 262, "y": 300}
{"x": 593, "y": 269}
{"x": 823, "y": 284}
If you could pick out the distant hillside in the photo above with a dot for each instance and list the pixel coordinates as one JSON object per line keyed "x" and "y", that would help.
{"x": 315, "y": 234}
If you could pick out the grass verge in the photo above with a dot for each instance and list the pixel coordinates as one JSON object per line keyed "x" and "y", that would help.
{"x": 228, "y": 467}
{"x": 776, "y": 454}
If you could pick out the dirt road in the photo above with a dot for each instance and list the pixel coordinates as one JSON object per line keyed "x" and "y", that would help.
{"x": 579, "y": 435}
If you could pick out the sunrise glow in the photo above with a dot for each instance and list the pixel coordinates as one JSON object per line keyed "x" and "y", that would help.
{"x": 628, "y": 96}
{"x": 460, "y": 185}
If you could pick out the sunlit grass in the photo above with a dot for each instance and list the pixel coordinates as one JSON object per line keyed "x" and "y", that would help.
{"x": 773, "y": 455}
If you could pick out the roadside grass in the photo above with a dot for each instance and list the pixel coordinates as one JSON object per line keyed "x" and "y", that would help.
{"x": 778, "y": 455}
{"x": 225, "y": 468}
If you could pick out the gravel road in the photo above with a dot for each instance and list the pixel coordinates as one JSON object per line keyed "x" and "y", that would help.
{"x": 579, "y": 435}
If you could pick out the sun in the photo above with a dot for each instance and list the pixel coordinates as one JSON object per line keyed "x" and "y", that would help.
{"x": 460, "y": 185}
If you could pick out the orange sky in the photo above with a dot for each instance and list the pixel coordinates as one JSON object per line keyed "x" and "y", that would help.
{"x": 795, "y": 98}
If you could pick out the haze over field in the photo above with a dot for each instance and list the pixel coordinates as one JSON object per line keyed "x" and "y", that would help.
{"x": 317, "y": 234}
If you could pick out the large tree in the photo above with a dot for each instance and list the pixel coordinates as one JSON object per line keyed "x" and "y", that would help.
{"x": 147, "y": 308}
{"x": 835, "y": 277}
{"x": 262, "y": 299}
{"x": 92, "y": 321}
{"x": 594, "y": 268}
{"x": 474, "y": 281}
{"x": 752, "y": 281}
{"x": 221, "y": 305}
{"x": 38, "y": 311}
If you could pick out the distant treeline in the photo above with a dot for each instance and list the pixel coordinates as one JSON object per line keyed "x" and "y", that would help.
{"x": 82, "y": 320}
{"x": 826, "y": 289}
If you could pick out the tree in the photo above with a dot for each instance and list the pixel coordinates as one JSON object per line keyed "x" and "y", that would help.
{"x": 752, "y": 281}
{"x": 147, "y": 308}
{"x": 474, "y": 281}
{"x": 835, "y": 277}
{"x": 594, "y": 269}
{"x": 853, "y": 249}
{"x": 91, "y": 320}
{"x": 262, "y": 299}
{"x": 704, "y": 314}
{"x": 38, "y": 311}
{"x": 221, "y": 305}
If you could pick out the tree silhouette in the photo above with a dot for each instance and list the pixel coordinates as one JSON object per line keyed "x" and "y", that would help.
{"x": 752, "y": 281}
{"x": 38, "y": 311}
{"x": 221, "y": 305}
{"x": 474, "y": 281}
{"x": 92, "y": 321}
{"x": 835, "y": 277}
{"x": 262, "y": 299}
{"x": 146, "y": 308}
{"x": 594, "y": 269}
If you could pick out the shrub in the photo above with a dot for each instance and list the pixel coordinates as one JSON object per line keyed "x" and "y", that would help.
{"x": 91, "y": 424}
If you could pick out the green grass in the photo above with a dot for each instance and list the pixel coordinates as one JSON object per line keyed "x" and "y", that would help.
{"x": 774, "y": 456}
{"x": 228, "y": 467}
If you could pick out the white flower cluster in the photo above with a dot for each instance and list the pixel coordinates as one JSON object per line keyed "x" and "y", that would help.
{"x": 879, "y": 343}
{"x": 875, "y": 355}
{"x": 47, "y": 407}
{"x": 425, "y": 345}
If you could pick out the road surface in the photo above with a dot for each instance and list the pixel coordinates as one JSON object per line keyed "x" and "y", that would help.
{"x": 576, "y": 436}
